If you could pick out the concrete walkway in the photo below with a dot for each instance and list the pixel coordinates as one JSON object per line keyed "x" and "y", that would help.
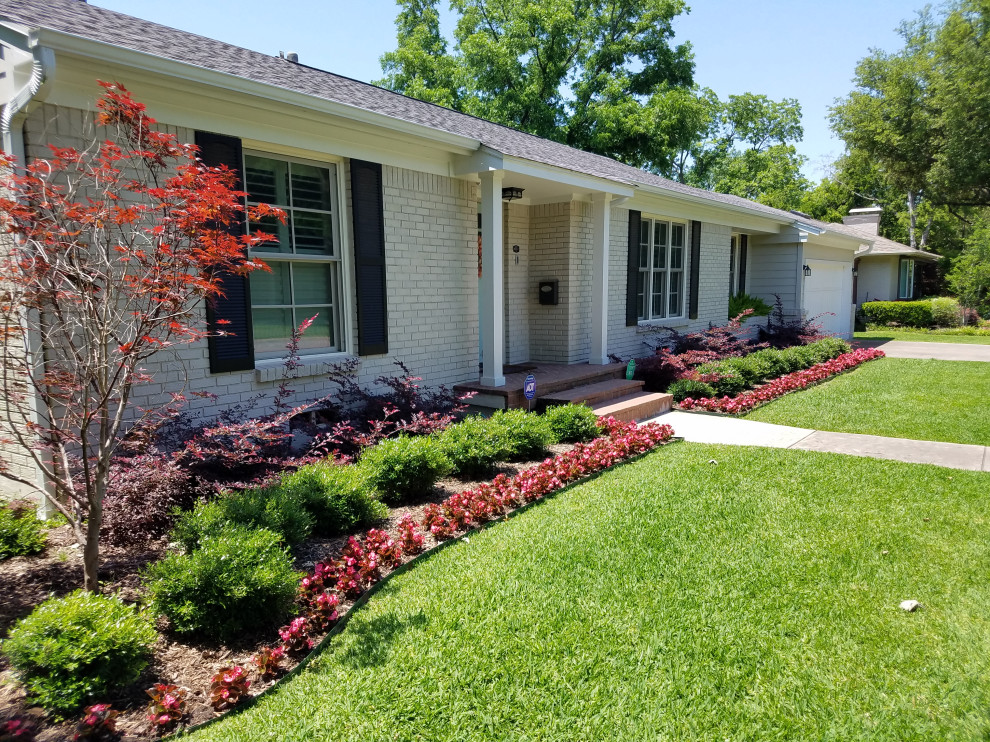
{"x": 701, "y": 428}
{"x": 938, "y": 351}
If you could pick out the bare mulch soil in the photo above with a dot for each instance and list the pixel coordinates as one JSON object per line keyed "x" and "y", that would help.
{"x": 190, "y": 664}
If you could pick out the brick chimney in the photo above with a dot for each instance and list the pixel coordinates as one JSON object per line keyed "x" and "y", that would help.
{"x": 868, "y": 219}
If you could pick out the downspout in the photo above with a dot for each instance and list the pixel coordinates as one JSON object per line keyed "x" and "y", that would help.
{"x": 13, "y": 118}
{"x": 15, "y": 110}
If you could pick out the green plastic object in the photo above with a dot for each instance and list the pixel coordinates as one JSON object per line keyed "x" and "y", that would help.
{"x": 630, "y": 370}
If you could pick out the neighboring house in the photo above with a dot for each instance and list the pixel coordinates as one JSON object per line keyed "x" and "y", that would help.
{"x": 391, "y": 200}
{"x": 885, "y": 270}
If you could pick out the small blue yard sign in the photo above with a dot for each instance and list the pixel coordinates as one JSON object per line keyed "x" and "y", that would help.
{"x": 529, "y": 386}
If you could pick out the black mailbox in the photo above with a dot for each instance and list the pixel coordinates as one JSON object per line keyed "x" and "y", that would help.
{"x": 548, "y": 292}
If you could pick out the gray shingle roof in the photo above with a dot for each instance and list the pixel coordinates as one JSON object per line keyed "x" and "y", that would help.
{"x": 109, "y": 27}
{"x": 883, "y": 246}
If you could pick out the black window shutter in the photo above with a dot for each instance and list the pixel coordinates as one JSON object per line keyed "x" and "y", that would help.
{"x": 235, "y": 350}
{"x": 632, "y": 270}
{"x": 743, "y": 250}
{"x": 368, "y": 209}
{"x": 695, "y": 270}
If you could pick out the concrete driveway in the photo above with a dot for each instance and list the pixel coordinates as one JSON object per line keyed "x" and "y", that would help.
{"x": 938, "y": 351}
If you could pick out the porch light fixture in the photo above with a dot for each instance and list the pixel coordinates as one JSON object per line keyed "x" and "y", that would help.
{"x": 807, "y": 270}
{"x": 508, "y": 194}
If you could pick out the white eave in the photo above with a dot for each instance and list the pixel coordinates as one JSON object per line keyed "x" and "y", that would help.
{"x": 77, "y": 45}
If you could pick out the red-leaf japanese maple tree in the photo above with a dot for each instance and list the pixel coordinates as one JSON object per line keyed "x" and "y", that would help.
{"x": 107, "y": 254}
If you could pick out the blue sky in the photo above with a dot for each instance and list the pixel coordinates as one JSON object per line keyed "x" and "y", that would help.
{"x": 804, "y": 49}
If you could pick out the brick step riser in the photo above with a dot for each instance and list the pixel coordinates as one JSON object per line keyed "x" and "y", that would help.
{"x": 593, "y": 398}
{"x": 650, "y": 405}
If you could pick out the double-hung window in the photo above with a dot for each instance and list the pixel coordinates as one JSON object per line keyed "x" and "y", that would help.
{"x": 305, "y": 257}
{"x": 660, "y": 291}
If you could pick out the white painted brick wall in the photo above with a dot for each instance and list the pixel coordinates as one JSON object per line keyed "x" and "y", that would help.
{"x": 431, "y": 271}
{"x": 713, "y": 286}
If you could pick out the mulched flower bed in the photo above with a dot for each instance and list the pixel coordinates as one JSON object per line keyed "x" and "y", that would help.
{"x": 190, "y": 664}
{"x": 771, "y": 390}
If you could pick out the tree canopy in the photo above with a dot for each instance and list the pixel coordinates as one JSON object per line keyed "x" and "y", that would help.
{"x": 601, "y": 76}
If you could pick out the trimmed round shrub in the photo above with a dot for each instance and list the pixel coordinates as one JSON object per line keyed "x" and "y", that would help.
{"x": 753, "y": 369}
{"x": 406, "y": 467}
{"x": 727, "y": 382}
{"x": 774, "y": 360}
{"x": 571, "y": 423}
{"x": 272, "y": 508}
{"x": 684, "y": 388}
{"x": 474, "y": 446}
{"x": 340, "y": 498}
{"x": 826, "y": 349}
{"x": 238, "y": 580}
{"x": 527, "y": 435}
{"x": 21, "y": 533}
{"x": 70, "y": 651}
{"x": 945, "y": 312}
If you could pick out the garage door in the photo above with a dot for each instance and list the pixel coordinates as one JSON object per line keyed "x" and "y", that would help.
{"x": 828, "y": 293}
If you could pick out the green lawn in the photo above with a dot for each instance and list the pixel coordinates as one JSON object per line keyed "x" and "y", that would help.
{"x": 675, "y": 598}
{"x": 921, "y": 336}
{"x": 896, "y": 397}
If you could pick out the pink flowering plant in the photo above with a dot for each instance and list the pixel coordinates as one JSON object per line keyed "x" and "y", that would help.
{"x": 19, "y": 729}
{"x": 228, "y": 687}
{"x": 167, "y": 706}
{"x": 323, "y": 612}
{"x": 410, "y": 541}
{"x": 778, "y": 387}
{"x": 268, "y": 661}
{"x": 99, "y": 722}
{"x": 296, "y": 636}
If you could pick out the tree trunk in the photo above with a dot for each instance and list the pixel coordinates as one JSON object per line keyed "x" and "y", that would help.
{"x": 91, "y": 550}
{"x": 926, "y": 233}
{"x": 913, "y": 214}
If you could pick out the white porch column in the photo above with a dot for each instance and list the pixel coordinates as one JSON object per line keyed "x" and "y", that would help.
{"x": 601, "y": 220}
{"x": 492, "y": 292}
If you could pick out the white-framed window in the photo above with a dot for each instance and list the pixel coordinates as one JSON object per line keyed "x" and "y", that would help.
{"x": 660, "y": 290}
{"x": 905, "y": 279}
{"x": 305, "y": 260}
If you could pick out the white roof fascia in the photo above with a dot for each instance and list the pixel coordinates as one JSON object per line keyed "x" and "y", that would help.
{"x": 573, "y": 178}
{"x": 159, "y": 65}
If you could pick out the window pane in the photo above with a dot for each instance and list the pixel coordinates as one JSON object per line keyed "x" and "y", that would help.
{"x": 644, "y": 244}
{"x": 271, "y": 288}
{"x": 281, "y": 233}
{"x": 676, "y": 258}
{"x": 272, "y": 328}
{"x": 674, "y": 304}
{"x": 677, "y": 235}
{"x": 314, "y": 233}
{"x": 641, "y": 295}
{"x": 658, "y": 284}
{"x": 660, "y": 233}
{"x": 312, "y": 283}
{"x": 310, "y": 187}
{"x": 319, "y": 335}
{"x": 266, "y": 180}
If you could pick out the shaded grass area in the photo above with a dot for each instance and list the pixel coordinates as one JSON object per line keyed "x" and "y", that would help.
{"x": 922, "y": 336}
{"x": 674, "y": 598}
{"x": 896, "y": 397}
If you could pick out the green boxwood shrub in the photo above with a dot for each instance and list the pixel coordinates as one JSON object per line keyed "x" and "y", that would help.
{"x": 729, "y": 382}
{"x": 340, "y": 498}
{"x": 907, "y": 313}
{"x": 571, "y": 423}
{"x": 684, "y": 388}
{"x": 278, "y": 510}
{"x": 945, "y": 312}
{"x": 238, "y": 580}
{"x": 527, "y": 435}
{"x": 474, "y": 446}
{"x": 21, "y": 533}
{"x": 406, "y": 467}
{"x": 754, "y": 369}
{"x": 71, "y": 651}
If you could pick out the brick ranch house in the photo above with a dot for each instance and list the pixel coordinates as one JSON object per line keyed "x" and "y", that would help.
{"x": 397, "y": 205}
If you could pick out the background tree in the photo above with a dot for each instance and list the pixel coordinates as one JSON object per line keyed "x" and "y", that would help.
{"x": 598, "y": 75}
{"x": 108, "y": 254}
{"x": 970, "y": 274}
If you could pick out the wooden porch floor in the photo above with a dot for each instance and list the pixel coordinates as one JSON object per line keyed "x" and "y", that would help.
{"x": 550, "y": 378}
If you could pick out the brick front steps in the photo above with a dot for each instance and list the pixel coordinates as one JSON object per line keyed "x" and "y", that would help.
{"x": 603, "y": 388}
